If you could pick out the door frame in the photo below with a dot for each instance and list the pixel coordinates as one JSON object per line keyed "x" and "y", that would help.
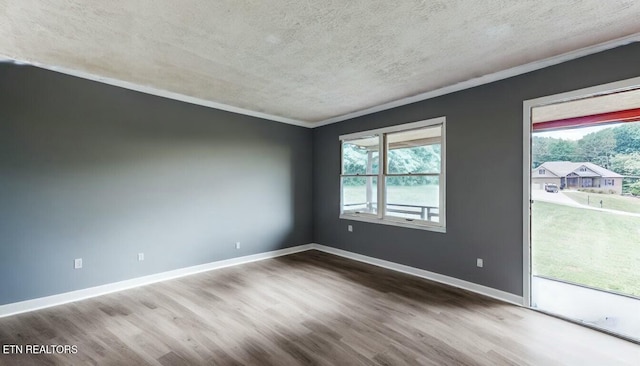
{"x": 527, "y": 105}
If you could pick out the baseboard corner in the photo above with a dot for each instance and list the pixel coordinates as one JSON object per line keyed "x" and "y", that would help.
{"x": 86, "y": 293}
{"x": 447, "y": 280}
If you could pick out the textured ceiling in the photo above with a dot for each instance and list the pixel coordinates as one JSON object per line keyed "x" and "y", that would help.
{"x": 303, "y": 60}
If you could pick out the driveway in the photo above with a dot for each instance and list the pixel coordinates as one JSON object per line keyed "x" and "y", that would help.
{"x": 561, "y": 199}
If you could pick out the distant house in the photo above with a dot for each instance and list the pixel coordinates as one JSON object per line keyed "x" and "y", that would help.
{"x": 571, "y": 175}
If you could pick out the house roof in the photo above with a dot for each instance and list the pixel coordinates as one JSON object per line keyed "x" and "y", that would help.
{"x": 564, "y": 168}
{"x": 588, "y": 173}
{"x": 535, "y": 173}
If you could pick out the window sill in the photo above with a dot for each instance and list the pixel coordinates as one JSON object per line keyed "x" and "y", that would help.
{"x": 407, "y": 224}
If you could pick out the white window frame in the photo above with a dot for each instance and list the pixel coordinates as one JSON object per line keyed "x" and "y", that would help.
{"x": 527, "y": 106}
{"x": 381, "y": 217}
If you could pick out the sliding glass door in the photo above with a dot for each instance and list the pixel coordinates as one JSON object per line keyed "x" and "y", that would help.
{"x": 584, "y": 228}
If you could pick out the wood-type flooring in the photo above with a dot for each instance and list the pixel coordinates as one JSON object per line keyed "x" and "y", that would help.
{"x": 308, "y": 308}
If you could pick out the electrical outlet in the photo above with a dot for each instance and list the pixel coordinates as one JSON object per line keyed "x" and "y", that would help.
{"x": 479, "y": 262}
{"x": 237, "y": 245}
{"x": 350, "y": 228}
{"x": 140, "y": 257}
{"x": 77, "y": 263}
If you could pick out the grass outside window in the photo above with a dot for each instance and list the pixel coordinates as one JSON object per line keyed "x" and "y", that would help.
{"x": 589, "y": 247}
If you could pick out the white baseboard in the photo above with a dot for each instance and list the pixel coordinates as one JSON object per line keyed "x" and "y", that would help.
{"x": 451, "y": 281}
{"x": 67, "y": 297}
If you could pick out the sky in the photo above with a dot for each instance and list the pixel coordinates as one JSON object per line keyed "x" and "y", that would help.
{"x": 574, "y": 133}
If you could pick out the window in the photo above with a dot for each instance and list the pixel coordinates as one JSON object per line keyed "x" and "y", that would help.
{"x": 608, "y": 182}
{"x": 541, "y": 172}
{"x": 395, "y": 175}
{"x": 583, "y": 169}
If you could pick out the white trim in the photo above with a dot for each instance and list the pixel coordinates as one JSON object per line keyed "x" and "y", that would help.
{"x": 616, "y": 86}
{"x": 471, "y": 83}
{"x": 64, "y": 298}
{"x": 526, "y": 206}
{"x": 394, "y": 128}
{"x": 608, "y": 88}
{"x": 382, "y": 217}
{"x": 162, "y": 93}
{"x": 451, "y": 281}
{"x": 382, "y": 184}
{"x": 67, "y": 297}
{"x": 442, "y": 180}
{"x": 417, "y": 224}
{"x": 489, "y": 78}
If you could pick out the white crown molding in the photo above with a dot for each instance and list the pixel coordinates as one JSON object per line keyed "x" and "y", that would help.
{"x": 158, "y": 92}
{"x": 489, "y": 78}
{"x": 485, "y": 79}
{"x": 447, "y": 280}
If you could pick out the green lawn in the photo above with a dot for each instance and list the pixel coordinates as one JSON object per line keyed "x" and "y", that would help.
{"x": 426, "y": 195}
{"x": 422, "y": 195}
{"x": 594, "y": 248}
{"x": 610, "y": 201}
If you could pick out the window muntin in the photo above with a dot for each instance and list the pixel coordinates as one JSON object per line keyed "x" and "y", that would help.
{"x": 359, "y": 178}
{"x": 400, "y": 167}
{"x": 414, "y": 151}
{"x": 357, "y": 151}
{"x": 418, "y": 201}
{"x": 360, "y": 195}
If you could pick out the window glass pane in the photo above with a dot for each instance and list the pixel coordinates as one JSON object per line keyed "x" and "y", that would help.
{"x": 414, "y": 151}
{"x": 361, "y": 156}
{"x": 360, "y": 194}
{"x": 413, "y": 197}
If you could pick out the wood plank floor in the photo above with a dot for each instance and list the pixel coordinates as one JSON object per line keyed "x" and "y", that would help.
{"x": 309, "y": 308}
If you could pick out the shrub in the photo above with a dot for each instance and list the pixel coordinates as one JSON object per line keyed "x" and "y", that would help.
{"x": 634, "y": 188}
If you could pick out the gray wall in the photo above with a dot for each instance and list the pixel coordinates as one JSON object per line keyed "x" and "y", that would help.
{"x": 94, "y": 171}
{"x": 484, "y": 174}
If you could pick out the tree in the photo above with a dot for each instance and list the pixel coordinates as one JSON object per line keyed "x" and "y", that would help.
{"x": 627, "y": 138}
{"x": 355, "y": 160}
{"x": 628, "y": 165}
{"x": 418, "y": 159}
{"x": 597, "y": 147}
{"x": 539, "y": 151}
{"x": 563, "y": 150}
{"x": 545, "y": 149}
